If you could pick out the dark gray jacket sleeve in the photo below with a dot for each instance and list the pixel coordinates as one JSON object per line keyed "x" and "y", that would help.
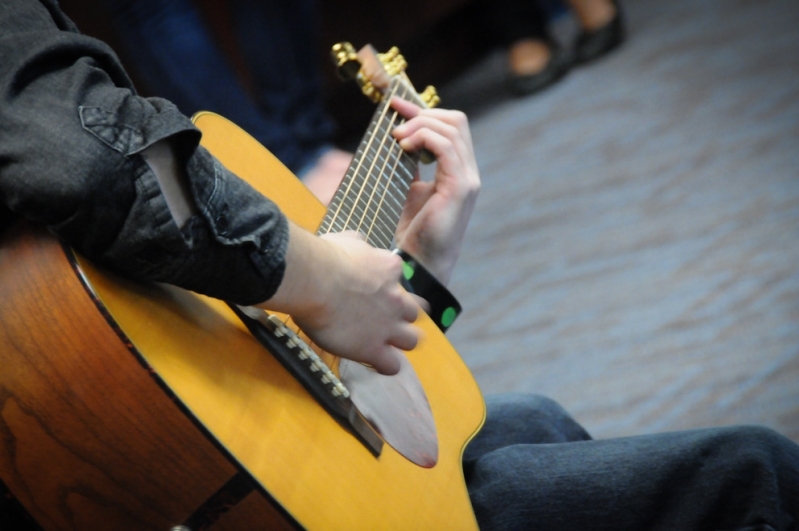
{"x": 71, "y": 130}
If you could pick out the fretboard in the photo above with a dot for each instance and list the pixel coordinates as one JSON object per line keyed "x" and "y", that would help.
{"x": 374, "y": 189}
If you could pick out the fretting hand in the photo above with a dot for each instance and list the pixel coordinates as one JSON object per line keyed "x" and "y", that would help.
{"x": 434, "y": 220}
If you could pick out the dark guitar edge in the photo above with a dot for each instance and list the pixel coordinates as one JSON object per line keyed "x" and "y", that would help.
{"x": 13, "y": 513}
{"x": 229, "y": 494}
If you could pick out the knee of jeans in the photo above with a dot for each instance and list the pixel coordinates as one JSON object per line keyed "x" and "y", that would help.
{"x": 546, "y": 405}
{"x": 753, "y": 437}
{"x": 518, "y": 403}
{"x": 527, "y": 419}
{"x": 526, "y": 405}
{"x": 757, "y": 448}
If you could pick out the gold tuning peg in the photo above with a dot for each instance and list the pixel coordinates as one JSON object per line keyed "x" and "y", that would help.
{"x": 346, "y": 60}
{"x": 393, "y": 61}
{"x": 430, "y": 96}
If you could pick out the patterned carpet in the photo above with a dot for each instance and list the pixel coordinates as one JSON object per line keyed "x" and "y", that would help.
{"x": 635, "y": 250}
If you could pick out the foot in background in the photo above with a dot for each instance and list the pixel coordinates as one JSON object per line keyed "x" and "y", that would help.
{"x": 536, "y": 64}
{"x": 602, "y": 25}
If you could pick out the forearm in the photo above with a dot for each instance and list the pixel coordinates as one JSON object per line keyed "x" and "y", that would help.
{"x": 312, "y": 267}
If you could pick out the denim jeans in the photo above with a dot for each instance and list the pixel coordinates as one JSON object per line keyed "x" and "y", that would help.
{"x": 533, "y": 467}
{"x": 175, "y": 55}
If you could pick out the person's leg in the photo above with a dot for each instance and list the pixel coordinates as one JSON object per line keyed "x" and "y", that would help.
{"x": 512, "y": 20}
{"x": 520, "y": 27}
{"x": 279, "y": 42}
{"x": 726, "y": 478}
{"x": 518, "y": 418}
{"x": 175, "y": 55}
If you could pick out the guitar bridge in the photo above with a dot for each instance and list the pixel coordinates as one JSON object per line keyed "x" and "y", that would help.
{"x": 306, "y": 354}
{"x": 309, "y": 369}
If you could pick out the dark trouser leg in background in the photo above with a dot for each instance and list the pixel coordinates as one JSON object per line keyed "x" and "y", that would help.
{"x": 176, "y": 56}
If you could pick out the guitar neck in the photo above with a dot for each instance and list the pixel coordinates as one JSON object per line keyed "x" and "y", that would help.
{"x": 374, "y": 189}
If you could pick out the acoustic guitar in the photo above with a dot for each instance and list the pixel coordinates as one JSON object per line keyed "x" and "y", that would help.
{"x": 143, "y": 406}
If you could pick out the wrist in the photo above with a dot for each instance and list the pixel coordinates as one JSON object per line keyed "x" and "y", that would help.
{"x": 417, "y": 279}
{"x": 438, "y": 263}
{"x": 311, "y": 266}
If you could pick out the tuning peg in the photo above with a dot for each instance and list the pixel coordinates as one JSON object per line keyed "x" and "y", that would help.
{"x": 393, "y": 62}
{"x": 430, "y": 96}
{"x": 346, "y": 60}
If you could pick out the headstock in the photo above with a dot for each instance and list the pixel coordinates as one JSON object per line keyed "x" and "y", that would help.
{"x": 373, "y": 71}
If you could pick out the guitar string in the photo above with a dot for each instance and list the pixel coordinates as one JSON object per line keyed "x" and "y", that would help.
{"x": 335, "y": 216}
{"x": 343, "y": 193}
{"x": 387, "y": 211}
{"x": 385, "y": 147}
{"x": 384, "y": 126}
{"x": 399, "y": 176}
{"x": 393, "y": 148}
{"x": 358, "y": 200}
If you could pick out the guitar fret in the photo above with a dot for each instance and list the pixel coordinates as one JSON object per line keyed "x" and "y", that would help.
{"x": 373, "y": 192}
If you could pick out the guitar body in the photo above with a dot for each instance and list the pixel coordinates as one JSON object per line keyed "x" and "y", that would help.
{"x": 129, "y": 406}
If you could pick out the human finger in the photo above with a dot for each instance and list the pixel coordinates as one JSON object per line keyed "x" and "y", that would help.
{"x": 439, "y": 137}
{"x": 428, "y": 138}
{"x": 410, "y": 310}
{"x": 412, "y": 113}
{"x": 385, "y": 361}
{"x": 406, "y": 108}
{"x": 405, "y": 337}
{"x": 422, "y": 302}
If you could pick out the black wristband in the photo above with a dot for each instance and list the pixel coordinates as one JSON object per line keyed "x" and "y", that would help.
{"x": 444, "y": 307}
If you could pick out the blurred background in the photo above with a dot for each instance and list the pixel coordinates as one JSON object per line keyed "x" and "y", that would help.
{"x": 635, "y": 249}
